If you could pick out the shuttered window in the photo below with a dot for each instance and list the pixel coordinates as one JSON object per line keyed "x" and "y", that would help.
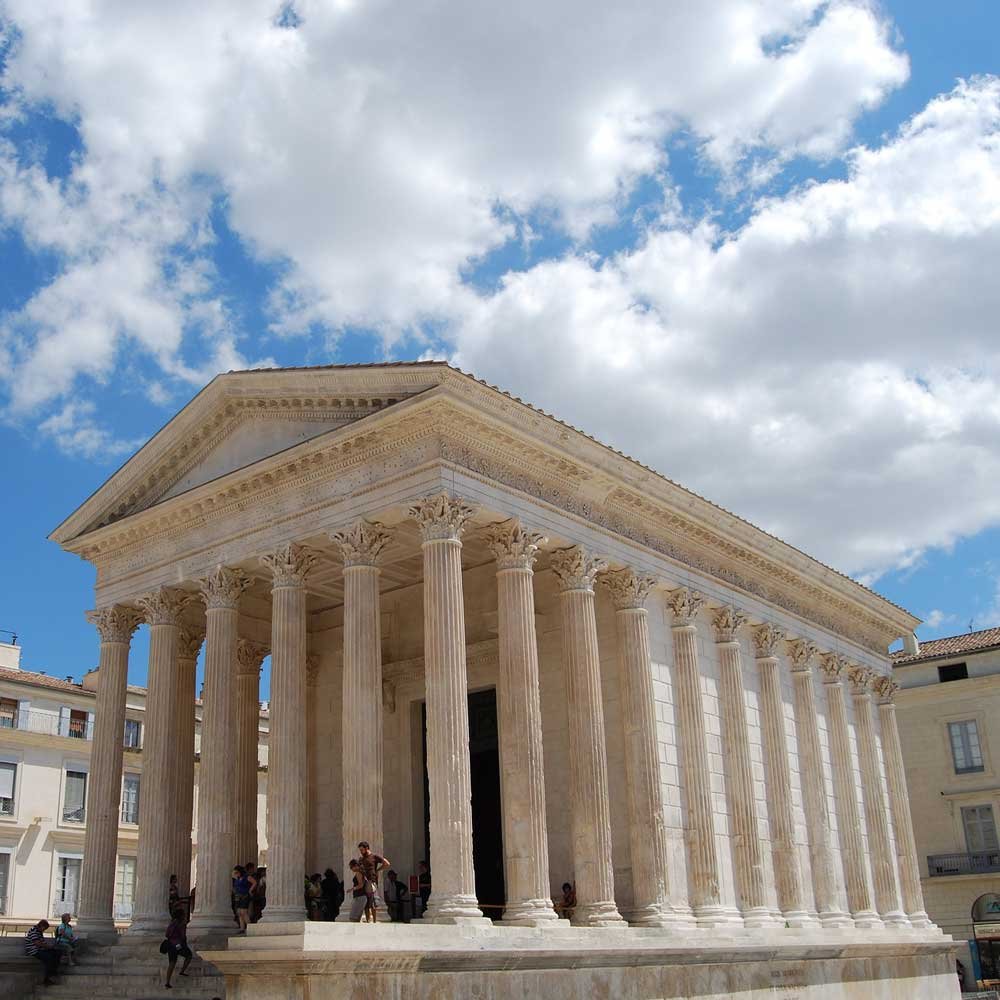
{"x": 74, "y": 804}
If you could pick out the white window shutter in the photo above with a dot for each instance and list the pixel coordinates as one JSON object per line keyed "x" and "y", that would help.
{"x": 23, "y": 707}
{"x": 89, "y": 735}
{"x": 63, "y": 720}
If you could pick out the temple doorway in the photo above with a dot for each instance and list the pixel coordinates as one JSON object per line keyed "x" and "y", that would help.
{"x": 487, "y": 820}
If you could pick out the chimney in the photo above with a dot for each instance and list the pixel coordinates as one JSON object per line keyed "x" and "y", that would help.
{"x": 911, "y": 645}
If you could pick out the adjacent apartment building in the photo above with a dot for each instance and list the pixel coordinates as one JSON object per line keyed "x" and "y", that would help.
{"x": 948, "y": 711}
{"x": 46, "y": 728}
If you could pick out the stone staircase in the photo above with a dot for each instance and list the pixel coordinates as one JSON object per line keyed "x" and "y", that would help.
{"x": 131, "y": 970}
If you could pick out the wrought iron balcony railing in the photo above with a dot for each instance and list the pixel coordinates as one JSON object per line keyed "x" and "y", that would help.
{"x": 49, "y": 724}
{"x": 963, "y": 864}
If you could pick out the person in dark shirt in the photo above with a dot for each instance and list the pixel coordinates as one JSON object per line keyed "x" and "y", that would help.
{"x": 36, "y": 945}
{"x": 396, "y": 896}
{"x": 332, "y": 890}
{"x": 423, "y": 884}
{"x": 174, "y": 944}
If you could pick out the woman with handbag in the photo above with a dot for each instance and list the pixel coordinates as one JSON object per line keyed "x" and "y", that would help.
{"x": 174, "y": 944}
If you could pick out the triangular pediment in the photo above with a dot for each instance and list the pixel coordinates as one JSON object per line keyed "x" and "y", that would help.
{"x": 240, "y": 419}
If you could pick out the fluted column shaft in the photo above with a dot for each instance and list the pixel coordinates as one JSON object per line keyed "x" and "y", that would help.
{"x": 217, "y": 770}
{"x": 820, "y": 833}
{"x": 742, "y": 804}
{"x": 906, "y": 848}
{"x": 879, "y": 842}
{"x": 157, "y": 840}
{"x": 703, "y": 861}
{"x": 286, "y": 779}
{"x": 361, "y": 731}
{"x": 100, "y": 846}
{"x": 249, "y": 656}
{"x": 187, "y": 657}
{"x": 852, "y": 849}
{"x": 453, "y": 896}
{"x": 590, "y": 810}
{"x": 522, "y": 771}
{"x": 647, "y": 827}
{"x": 787, "y": 872}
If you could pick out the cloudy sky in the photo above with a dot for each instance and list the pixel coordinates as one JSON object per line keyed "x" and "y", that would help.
{"x": 753, "y": 243}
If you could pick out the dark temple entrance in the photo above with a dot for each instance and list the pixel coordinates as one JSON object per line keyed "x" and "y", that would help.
{"x": 487, "y": 822}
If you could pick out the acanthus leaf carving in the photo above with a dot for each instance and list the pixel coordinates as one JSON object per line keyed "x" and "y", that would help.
{"x": 290, "y": 564}
{"x": 575, "y": 568}
{"x": 766, "y": 639}
{"x": 801, "y": 653}
{"x": 727, "y": 622}
{"x": 513, "y": 546}
{"x": 833, "y": 666}
{"x": 223, "y": 587}
{"x": 164, "y": 606}
{"x": 685, "y": 605}
{"x": 362, "y": 543}
{"x": 189, "y": 642}
{"x": 441, "y": 516}
{"x": 115, "y": 624}
{"x": 250, "y": 655}
{"x": 628, "y": 589}
{"x": 861, "y": 678}
{"x": 886, "y": 688}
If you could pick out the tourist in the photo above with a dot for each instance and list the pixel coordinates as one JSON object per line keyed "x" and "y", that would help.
{"x": 241, "y": 897}
{"x": 371, "y": 865}
{"x": 66, "y": 938}
{"x": 37, "y": 946}
{"x": 261, "y": 895}
{"x": 395, "y": 895}
{"x": 359, "y": 893}
{"x": 173, "y": 894}
{"x": 174, "y": 944}
{"x": 567, "y": 904}
{"x": 314, "y": 897}
{"x": 253, "y": 876}
{"x": 332, "y": 894}
{"x": 423, "y": 884}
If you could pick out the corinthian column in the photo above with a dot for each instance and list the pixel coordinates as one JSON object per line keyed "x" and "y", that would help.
{"x": 647, "y": 828}
{"x": 593, "y": 868}
{"x": 852, "y": 848}
{"x": 361, "y": 731}
{"x": 706, "y": 901}
{"x": 800, "y": 654}
{"x": 188, "y": 643}
{"x": 453, "y": 895}
{"x": 221, "y": 591}
{"x": 522, "y": 773}
{"x": 115, "y": 625}
{"x": 787, "y": 874}
{"x": 249, "y": 657}
{"x": 906, "y": 848}
{"x": 744, "y": 831}
{"x": 879, "y": 843}
{"x": 286, "y": 771}
{"x": 157, "y": 841}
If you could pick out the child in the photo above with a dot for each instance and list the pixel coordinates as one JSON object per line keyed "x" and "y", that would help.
{"x": 66, "y": 938}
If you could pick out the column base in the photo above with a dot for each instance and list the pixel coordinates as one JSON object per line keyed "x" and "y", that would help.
{"x": 659, "y": 915}
{"x": 714, "y": 915}
{"x": 920, "y": 920}
{"x": 895, "y": 918}
{"x": 604, "y": 914}
{"x": 285, "y": 915}
{"x": 212, "y": 923}
{"x": 530, "y": 913}
{"x": 98, "y": 929}
{"x": 760, "y": 916}
{"x": 835, "y": 918}
{"x": 455, "y": 909}
{"x": 867, "y": 920}
{"x": 146, "y": 924}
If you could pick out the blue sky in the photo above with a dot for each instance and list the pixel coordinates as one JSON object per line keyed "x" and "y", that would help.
{"x": 758, "y": 239}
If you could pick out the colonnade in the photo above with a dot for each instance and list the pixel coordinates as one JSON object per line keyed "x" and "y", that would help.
{"x": 886, "y": 892}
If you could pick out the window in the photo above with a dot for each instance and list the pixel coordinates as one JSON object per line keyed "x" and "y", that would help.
{"x": 953, "y": 672}
{"x": 130, "y": 798}
{"x": 980, "y": 830}
{"x": 124, "y": 888}
{"x": 965, "y": 749}
{"x": 8, "y": 713}
{"x": 8, "y": 778}
{"x": 77, "y": 724}
{"x": 67, "y": 886}
{"x": 4, "y": 880}
{"x": 75, "y": 802}
{"x": 133, "y": 734}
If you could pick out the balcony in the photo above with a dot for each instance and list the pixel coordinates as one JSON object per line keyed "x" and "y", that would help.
{"x": 963, "y": 864}
{"x": 49, "y": 724}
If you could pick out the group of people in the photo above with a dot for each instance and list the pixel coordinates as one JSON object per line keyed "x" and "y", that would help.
{"x": 249, "y": 896}
{"x": 51, "y": 951}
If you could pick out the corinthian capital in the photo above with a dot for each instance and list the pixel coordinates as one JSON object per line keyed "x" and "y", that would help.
{"x": 685, "y": 604}
{"x": 189, "y": 642}
{"x": 832, "y": 665}
{"x": 362, "y": 543}
{"x": 250, "y": 655}
{"x": 115, "y": 624}
{"x": 801, "y": 653}
{"x": 765, "y": 640}
{"x": 575, "y": 568}
{"x": 885, "y": 688}
{"x": 627, "y": 588}
{"x": 727, "y": 622}
{"x": 861, "y": 678}
{"x": 223, "y": 587}
{"x": 290, "y": 565}
{"x": 164, "y": 606}
{"x": 441, "y": 516}
{"x": 513, "y": 546}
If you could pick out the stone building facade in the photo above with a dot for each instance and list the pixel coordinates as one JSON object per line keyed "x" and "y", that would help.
{"x": 499, "y": 644}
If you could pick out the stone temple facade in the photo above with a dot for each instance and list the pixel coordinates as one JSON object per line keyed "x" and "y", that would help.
{"x": 500, "y": 644}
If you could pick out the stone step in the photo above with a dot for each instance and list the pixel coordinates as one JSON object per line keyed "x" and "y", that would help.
{"x": 131, "y": 988}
